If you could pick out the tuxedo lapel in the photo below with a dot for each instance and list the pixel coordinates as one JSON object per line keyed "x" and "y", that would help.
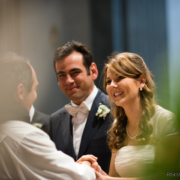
{"x": 92, "y": 125}
{"x": 66, "y": 130}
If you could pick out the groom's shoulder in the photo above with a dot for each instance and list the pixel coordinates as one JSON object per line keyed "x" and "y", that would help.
{"x": 58, "y": 112}
{"x": 104, "y": 97}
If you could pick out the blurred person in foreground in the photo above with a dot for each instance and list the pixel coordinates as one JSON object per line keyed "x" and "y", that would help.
{"x": 144, "y": 137}
{"x": 80, "y": 127}
{"x": 37, "y": 118}
{"x": 26, "y": 152}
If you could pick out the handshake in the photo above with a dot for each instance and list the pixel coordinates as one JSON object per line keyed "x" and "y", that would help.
{"x": 91, "y": 161}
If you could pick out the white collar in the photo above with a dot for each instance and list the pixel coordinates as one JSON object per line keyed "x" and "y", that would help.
{"x": 89, "y": 100}
{"x": 31, "y": 113}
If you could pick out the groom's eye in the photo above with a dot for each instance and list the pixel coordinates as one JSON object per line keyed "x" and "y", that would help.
{"x": 75, "y": 73}
{"x": 61, "y": 75}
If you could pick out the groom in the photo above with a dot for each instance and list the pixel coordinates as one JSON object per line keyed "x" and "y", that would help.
{"x": 75, "y": 128}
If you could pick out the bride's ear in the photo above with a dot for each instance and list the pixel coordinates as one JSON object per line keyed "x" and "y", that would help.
{"x": 142, "y": 80}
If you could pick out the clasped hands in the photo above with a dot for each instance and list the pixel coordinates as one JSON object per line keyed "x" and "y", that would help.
{"x": 91, "y": 161}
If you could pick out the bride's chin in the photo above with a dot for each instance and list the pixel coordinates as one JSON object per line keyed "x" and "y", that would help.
{"x": 118, "y": 103}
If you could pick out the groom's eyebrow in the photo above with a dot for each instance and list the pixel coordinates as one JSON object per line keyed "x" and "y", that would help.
{"x": 75, "y": 69}
{"x": 60, "y": 72}
{"x": 72, "y": 70}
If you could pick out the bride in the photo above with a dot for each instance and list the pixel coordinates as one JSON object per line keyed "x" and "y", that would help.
{"x": 144, "y": 137}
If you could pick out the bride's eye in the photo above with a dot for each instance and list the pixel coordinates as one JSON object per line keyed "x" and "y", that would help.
{"x": 108, "y": 81}
{"x": 120, "y": 77}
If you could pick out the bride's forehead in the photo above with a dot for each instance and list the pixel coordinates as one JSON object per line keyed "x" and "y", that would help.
{"x": 111, "y": 73}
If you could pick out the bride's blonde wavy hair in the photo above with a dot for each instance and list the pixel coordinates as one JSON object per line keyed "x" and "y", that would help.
{"x": 131, "y": 65}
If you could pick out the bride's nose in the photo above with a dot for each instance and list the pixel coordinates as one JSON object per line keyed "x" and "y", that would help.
{"x": 113, "y": 84}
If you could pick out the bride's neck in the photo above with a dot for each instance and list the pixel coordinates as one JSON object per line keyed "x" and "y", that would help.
{"x": 133, "y": 113}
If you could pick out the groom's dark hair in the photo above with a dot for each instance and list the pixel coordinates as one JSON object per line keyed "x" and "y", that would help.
{"x": 68, "y": 48}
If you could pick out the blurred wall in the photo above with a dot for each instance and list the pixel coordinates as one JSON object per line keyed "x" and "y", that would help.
{"x": 46, "y": 25}
{"x": 173, "y": 35}
{"x": 41, "y": 26}
{"x": 10, "y": 33}
{"x": 133, "y": 26}
{"x": 146, "y": 35}
{"x": 34, "y": 29}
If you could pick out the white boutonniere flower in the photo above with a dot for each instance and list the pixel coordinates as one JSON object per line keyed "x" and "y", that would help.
{"x": 38, "y": 125}
{"x": 102, "y": 111}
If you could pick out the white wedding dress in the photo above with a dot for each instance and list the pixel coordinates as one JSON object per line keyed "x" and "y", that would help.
{"x": 134, "y": 161}
{"x": 137, "y": 161}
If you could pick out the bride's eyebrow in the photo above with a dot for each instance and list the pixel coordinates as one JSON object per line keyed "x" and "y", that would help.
{"x": 107, "y": 78}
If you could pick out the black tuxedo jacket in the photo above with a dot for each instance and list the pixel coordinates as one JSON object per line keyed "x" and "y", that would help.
{"x": 94, "y": 138}
{"x": 41, "y": 118}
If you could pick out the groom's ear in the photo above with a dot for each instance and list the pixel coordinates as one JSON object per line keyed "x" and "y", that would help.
{"x": 94, "y": 71}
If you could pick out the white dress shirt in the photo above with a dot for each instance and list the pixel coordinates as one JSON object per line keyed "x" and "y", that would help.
{"x": 26, "y": 152}
{"x": 79, "y": 128}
